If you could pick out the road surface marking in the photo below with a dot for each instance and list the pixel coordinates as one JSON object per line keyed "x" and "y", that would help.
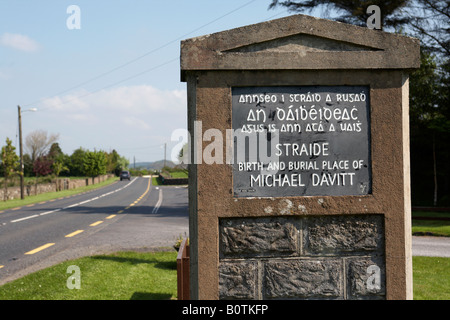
{"x": 70, "y": 206}
{"x": 30, "y": 205}
{"x": 95, "y": 223}
{"x": 70, "y": 235}
{"x": 111, "y": 216}
{"x": 1, "y": 267}
{"x": 121, "y": 211}
{"x": 45, "y": 246}
{"x": 21, "y": 219}
{"x": 158, "y": 204}
{"x": 48, "y": 212}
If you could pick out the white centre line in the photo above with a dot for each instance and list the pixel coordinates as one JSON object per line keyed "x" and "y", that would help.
{"x": 72, "y": 205}
{"x": 26, "y": 218}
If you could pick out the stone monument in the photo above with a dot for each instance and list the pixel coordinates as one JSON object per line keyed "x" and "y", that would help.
{"x": 299, "y": 167}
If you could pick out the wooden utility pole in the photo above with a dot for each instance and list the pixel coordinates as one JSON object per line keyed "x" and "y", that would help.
{"x": 21, "y": 154}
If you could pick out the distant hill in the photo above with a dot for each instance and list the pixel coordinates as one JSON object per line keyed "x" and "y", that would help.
{"x": 156, "y": 165}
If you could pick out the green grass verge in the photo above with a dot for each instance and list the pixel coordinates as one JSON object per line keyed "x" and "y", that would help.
{"x": 156, "y": 181}
{"x": 431, "y": 227}
{"x": 179, "y": 174}
{"x": 52, "y": 195}
{"x": 430, "y": 214}
{"x": 431, "y": 277}
{"x": 119, "y": 276}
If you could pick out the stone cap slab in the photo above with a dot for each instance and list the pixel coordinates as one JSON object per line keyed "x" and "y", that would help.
{"x": 299, "y": 42}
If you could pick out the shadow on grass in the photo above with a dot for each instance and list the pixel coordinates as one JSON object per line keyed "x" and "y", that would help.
{"x": 150, "y": 296}
{"x": 168, "y": 265}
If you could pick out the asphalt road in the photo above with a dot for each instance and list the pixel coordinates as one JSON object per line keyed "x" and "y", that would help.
{"x": 127, "y": 215}
{"x": 431, "y": 246}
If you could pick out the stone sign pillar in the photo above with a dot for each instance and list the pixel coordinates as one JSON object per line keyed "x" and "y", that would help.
{"x": 299, "y": 167}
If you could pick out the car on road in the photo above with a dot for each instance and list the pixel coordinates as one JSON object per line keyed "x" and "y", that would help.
{"x": 125, "y": 175}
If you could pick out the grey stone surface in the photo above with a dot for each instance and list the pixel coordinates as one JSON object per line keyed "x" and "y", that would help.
{"x": 366, "y": 278}
{"x": 299, "y": 42}
{"x": 237, "y": 280}
{"x": 298, "y": 257}
{"x": 343, "y": 234}
{"x": 259, "y": 237}
{"x": 303, "y": 278}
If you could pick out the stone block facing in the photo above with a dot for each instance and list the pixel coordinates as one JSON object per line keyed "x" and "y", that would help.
{"x": 303, "y": 278}
{"x": 316, "y": 257}
{"x": 238, "y": 280}
{"x": 258, "y": 237}
{"x": 343, "y": 234}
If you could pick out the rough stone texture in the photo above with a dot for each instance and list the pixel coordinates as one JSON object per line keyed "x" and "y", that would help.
{"x": 343, "y": 234}
{"x": 317, "y": 257}
{"x": 366, "y": 278}
{"x": 237, "y": 280}
{"x": 303, "y": 279}
{"x": 261, "y": 237}
{"x": 299, "y": 42}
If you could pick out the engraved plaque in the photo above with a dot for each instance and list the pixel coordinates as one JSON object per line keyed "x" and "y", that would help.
{"x": 301, "y": 141}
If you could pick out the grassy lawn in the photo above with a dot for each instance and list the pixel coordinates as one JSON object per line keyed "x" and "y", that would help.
{"x": 52, "y": 195}
{"x": 431, "y": 278}
{"x": 179, "y": 174}
{"x": 119, "y": 276}
{"x": 431, "y": 227}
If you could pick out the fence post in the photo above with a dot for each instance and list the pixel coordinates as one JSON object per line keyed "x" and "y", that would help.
{"x": 183, "y": 271}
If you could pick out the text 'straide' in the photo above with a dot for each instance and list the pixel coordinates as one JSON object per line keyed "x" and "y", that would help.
{"x": 301, "y": 141}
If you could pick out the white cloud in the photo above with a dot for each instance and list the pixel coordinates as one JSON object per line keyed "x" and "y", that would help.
{"x": 128, "y": 118}
{"x": 19, "y": 42}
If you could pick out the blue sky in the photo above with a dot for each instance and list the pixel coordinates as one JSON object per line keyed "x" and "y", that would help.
{"x": 87, "y": 83}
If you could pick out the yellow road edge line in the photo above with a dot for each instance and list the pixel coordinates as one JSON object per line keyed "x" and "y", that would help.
{"x": 95, "y": 223}
{"x": 74, "y": 233}
{"x": 45, "y": 246}
{"x": 121, "y": 211}
{"x": 111, "y": 216}
{"x": 1, "y": 267}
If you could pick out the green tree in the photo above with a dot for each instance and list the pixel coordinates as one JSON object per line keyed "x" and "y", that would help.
{"x": 76, "y": 164}
{"x": 112, "y": 159}
{"x": 122, "y": 164}
{"x": 430, "y": 131}
{"x": 431, "y": 22}
{"x": 10, "y": 161}
{"x": 58, "y": 161}
{"x": 94, "y": 163}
